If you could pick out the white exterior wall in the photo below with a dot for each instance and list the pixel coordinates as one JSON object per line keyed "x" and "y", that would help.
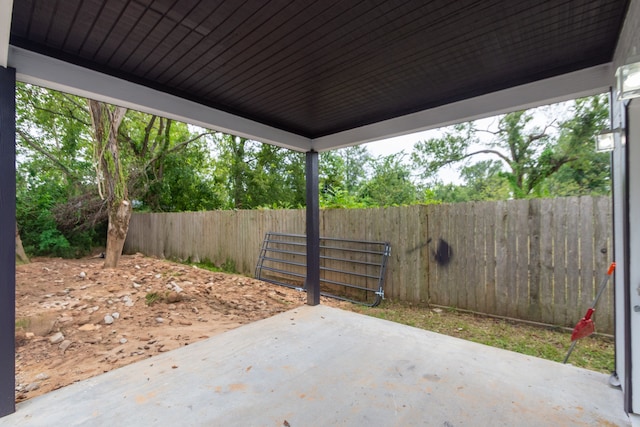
{"x": 633, "y": 153}
{"x": 626, "y": 195}
{"x": 619, "y": 229}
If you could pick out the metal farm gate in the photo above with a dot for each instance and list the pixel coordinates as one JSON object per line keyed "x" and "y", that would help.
{"x": 350, "y": 270}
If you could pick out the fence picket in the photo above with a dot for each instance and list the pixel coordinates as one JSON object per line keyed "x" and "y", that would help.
{"x": 502, "y": 260}
{"x": 521, "y": 252}
{"x": 470, "y": 279}
{"x": 603, "y": 256}
{"x": 573, "y": 314}
{"x": 538, "y": 260}
{"x": 491, "y": 256}
{"x": 534, "y": 219}
{"x": 586, "y": 258}
{"x": 560, "y": 262}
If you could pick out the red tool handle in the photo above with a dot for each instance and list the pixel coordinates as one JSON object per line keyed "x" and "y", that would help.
{"x": 589, "y": 313}
{"x": 611, "y": 268}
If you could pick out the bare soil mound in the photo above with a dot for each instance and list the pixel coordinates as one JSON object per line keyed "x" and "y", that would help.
{"x": 75, "y": 320}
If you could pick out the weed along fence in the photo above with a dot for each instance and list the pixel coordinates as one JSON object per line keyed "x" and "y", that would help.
{"x": 538, "y": 260}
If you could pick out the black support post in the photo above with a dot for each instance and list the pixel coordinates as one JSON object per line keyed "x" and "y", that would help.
{"x": 7, "y": 239}
{"x": 313, "y": 230}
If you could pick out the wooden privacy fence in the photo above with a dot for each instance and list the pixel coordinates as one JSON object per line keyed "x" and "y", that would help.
{"x": 539, "y": 260}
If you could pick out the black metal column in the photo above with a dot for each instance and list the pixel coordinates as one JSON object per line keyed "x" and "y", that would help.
{"x": 313, "y": 230}
{"x": 7, "y": 239}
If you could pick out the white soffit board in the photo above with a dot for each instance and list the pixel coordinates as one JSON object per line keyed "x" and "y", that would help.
{"x": 6, "y": 8}
{"x": 628, "y": 48}
{"x": 589, "y": 81}
{"x": 51, "y": 73}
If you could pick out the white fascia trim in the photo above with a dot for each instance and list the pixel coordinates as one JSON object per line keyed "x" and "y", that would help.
{"x": 51, "y": 73}
{"x": 628, "y": 47}
{"x": 589, "y": 81}
{"x": 6, "y": 10}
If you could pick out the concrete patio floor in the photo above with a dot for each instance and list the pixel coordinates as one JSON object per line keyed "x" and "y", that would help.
{"x": 321, "y": 366}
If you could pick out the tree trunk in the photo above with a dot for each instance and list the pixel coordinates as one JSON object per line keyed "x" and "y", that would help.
{"x": 21, "y": 256}
{"x": 117, "y": 233}
{"x": 112, "y": 182}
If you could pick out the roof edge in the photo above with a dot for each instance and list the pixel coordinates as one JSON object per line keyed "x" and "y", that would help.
{"x": 41, "y": 70}
{"x": 589, "y": 81}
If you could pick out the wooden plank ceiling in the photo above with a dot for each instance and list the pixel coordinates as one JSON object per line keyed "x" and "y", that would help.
{"x": 318, "y": 67}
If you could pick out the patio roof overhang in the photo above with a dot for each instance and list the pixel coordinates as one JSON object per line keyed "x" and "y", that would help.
{"x": 316, "y": 75}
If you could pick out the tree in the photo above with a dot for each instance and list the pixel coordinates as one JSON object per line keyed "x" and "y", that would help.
{"x": 342, "y": 174}
{"x": 112, "y": 183}
{"x": 54, "y": 149}
{"x": 390, "y": 184}
{"x": 259, "y": 175}
{"x": 590, "y": 172}
{"x": 485, "y": 180}
{"x": 168, "y": 165}
{"x": 60, "y": 212}
{"x": 344, "y": 169}
{"x": 531, "y": 154}
{"x": 21, "y": 256}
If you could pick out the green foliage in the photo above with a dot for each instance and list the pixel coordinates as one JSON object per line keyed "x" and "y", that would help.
{"x": 431, "y": 155}
{"x": 483, "y": 180}
{"x": 340, "y": 199}
{"x": 258, "y": 175}
{"x": 169, "y": 165}
{"x": 589, "y": 173}
{"x": 205, "y": 264}
{"x": 532, "y": 160}
{"x": 53, "y": 242}
{"x": 152, "y": 297}
{"x": 344, "y": 169}
{"x": 183, "y": 186}
{"x": 390, "y": 184}
{"x": 229, "y": 266}
{"x": 173, "y": 167}
{"x": 38, "y": 228}
{"x": 54, "y": 166}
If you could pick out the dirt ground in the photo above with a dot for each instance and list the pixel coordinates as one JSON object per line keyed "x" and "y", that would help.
{"x": 75, "y": 320}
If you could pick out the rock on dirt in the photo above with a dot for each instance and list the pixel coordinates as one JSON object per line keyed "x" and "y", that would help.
{"x": 56, "y": 338}
{"x": 56, "y": 304}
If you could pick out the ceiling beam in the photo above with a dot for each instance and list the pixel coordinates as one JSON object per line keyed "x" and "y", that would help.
{"x": 6, "y": 8}
{"x": 51, "y": 73}
{"x": 581, "y": 83}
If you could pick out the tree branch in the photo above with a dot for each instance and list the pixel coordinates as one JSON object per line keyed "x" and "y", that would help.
{"x": 36, "y": 146}
{"x": 147, "y": 133}
{"x": 485, "y": 151}
{"x": 58, "y": 113}
{"x": 541, "y": 134}
{"x": 176, "y": 147}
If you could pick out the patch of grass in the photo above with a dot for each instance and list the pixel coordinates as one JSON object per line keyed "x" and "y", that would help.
{"x": 229, "y": 266}
{"x": 22, "y": 324}
{"x": 206, "y": 265}
{"x": 152, "y": 298}
{"x": 174, "y": 274}
{"x": 594, "y": 352}
{"x": 40, "y": 324}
